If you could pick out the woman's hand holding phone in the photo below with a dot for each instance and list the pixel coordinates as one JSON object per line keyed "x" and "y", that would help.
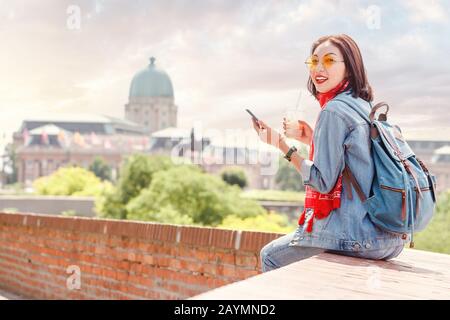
{"x": 265, "y": 133}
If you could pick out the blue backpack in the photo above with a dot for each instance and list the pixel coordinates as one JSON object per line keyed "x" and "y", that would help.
{"x": 402, "y": 197}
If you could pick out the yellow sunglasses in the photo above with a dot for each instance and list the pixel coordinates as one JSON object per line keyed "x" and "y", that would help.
{"x": 327, "y": 61}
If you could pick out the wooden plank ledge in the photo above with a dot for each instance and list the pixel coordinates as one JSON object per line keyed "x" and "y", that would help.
{"x": 414, "y": 274}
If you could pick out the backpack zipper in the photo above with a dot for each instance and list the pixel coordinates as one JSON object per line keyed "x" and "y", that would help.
{"x": 391, "y": 188}
{"x": 402, "y": 190}
{"x": 403, "y": 198}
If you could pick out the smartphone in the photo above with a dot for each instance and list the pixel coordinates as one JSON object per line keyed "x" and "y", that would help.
{"x": 253, "y": 116}
{"x": 251, "y": 113}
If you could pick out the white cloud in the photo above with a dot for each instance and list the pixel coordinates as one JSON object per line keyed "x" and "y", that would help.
{"x": 312, "y": 11}
{"x": 426, "y": 11}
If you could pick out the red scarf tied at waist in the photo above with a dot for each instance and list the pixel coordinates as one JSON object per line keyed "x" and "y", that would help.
{"x": 319, "y": 205}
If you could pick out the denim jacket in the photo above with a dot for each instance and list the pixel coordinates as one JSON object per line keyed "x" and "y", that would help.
{"x": 342, "y": 136}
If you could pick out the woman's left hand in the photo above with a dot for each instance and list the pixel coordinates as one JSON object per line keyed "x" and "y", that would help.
{"x": 266, "y": 133}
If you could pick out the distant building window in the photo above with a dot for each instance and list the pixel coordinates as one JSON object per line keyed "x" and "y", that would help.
{"x": 109, "y": 128}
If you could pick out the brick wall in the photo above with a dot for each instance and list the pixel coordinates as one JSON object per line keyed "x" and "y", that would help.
{"x": 121, "y": 259}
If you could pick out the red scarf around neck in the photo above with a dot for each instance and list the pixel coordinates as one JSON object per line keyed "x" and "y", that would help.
{"x": 322, "y": 203}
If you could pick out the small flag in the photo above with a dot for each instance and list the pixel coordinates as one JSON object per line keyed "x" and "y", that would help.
{"x": 107, "y": 143}
{"x": 62, "y": 139}
{"x": 26, "y": 137}
{"x": 78, "y": 139}
{"x": 94, "y": 139}
{"x": 44, "y": 138}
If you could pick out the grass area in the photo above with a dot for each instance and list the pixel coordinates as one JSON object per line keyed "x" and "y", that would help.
{"x": 436, "y": 236}
{"x": 13, "y": 189}
{"x": 274, "y": 195}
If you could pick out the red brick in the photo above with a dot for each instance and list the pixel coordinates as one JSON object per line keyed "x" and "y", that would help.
{"x": 148, "y": 259}
{"x": 246, "y": 260}
{"x": 245, "y": 273}
{"x": 222, "y": 257}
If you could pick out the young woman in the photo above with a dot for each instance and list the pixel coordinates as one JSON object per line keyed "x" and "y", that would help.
{"x": 330, "y": 222}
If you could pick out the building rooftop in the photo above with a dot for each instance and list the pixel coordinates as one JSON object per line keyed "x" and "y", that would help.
{"x": 49, "y": 129}
{"x": 83, "y": 123}
{"x": 172, "y": 132}
{"x": 70, "y": 117}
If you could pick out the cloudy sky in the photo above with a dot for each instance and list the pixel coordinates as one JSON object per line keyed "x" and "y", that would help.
{"x": 222, "y": 56}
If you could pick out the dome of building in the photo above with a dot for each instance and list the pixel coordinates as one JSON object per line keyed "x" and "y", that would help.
{"x": 151, "y": 82}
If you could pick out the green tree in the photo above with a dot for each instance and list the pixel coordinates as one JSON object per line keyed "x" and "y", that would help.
{"x": 165, "y": 214}
{"x": 110, "y": 205}
{"x": 274, "y": 195}
{"x": 234, "y": 176}
{"x": 287, "y": 177}
{"x": 70, "y": 181}
{"x": 198, "y": 197}
{"x": 101, "y": 169}
{"x": 436, "y": 236}
{"x": 10, "y": 164}
{"x": 135, "y": 174}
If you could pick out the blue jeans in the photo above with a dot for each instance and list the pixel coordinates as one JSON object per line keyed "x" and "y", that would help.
{"x": 279, "y": 253}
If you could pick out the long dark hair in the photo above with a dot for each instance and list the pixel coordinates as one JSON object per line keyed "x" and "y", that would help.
{"x": 353, "y": 64}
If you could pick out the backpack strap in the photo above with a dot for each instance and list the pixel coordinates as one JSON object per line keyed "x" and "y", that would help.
{"x": 369, "y": 118}
{"x": 430, "y": 180}
{"x": 382, "y": 116}
{"x": 349, "y": 179}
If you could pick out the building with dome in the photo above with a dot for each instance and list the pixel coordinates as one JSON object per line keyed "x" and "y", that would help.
{"x": 48, "y": 142}
{"x": 151, "y": 99}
